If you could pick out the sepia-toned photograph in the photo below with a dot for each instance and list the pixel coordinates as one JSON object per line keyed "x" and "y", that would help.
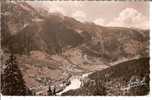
{"x": 74, "y": 48}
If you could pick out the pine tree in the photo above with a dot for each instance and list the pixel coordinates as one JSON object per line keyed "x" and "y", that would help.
{"x": 50, "y": 91}
{"x": 12, "y": 80}
{"x": 54, "y": 91}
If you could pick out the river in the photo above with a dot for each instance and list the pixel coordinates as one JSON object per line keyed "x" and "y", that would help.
{"x": 75, "y": 83}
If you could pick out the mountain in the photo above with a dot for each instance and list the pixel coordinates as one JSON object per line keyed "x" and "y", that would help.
{"x": 52, "y": 33}
{"x": 35, "y": 32}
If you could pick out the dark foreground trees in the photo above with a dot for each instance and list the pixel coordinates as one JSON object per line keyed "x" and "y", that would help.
{"x": 52, "y": 92}
{"x": 12, "y": 80}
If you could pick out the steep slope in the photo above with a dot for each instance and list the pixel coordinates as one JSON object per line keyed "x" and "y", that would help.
{"x": 48, "y": 37}
{"x": 127, "y": 78}
{"x": 15, "y": 16}
{"x": 34, "y": 32}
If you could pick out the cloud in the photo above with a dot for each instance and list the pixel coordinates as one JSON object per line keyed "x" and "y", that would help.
{"x": 54, "y": 9}
{"x": 57, "y": 6}
{"x": 80, "y": 16}
{"x": 130, "y": 17}
{"x": 99, "y": 21}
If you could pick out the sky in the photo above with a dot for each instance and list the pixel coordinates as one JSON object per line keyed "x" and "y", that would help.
{"x": 121, "y": 14}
